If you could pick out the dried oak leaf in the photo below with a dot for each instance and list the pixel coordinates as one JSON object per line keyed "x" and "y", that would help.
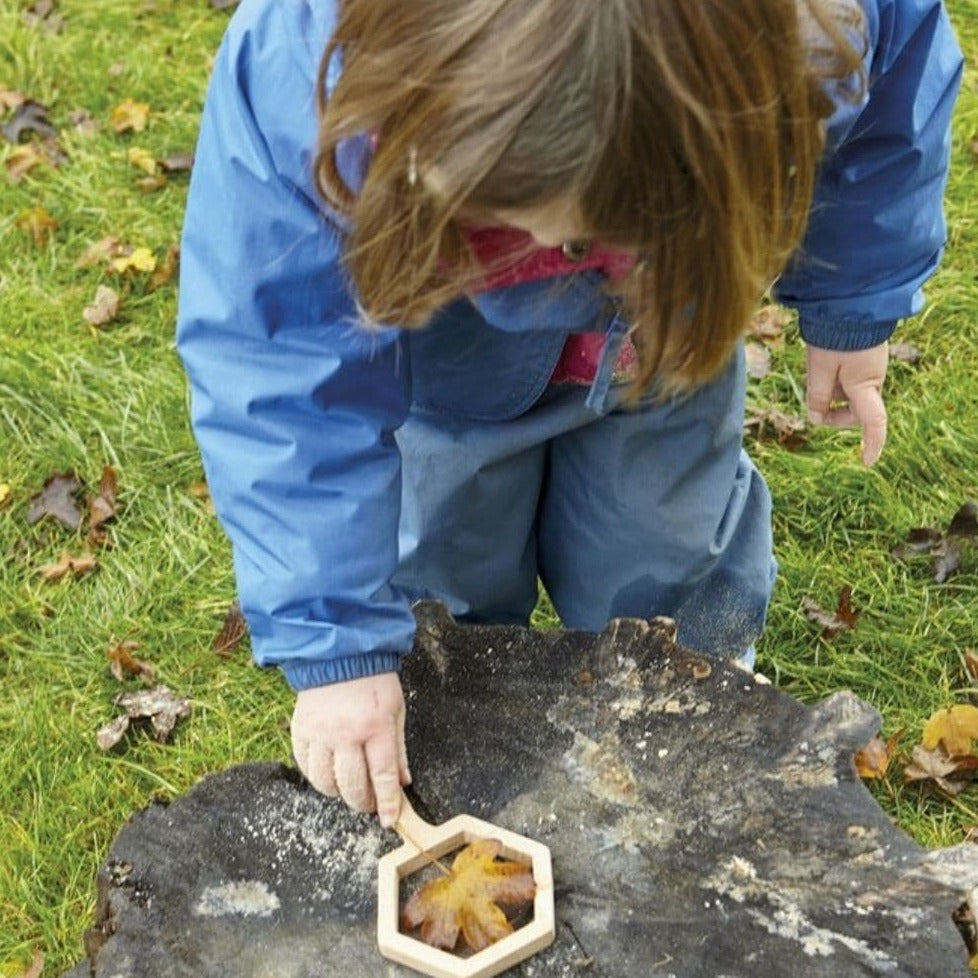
{"x": 768, "y": 323}
{"x": 178, "y": 163}
{"x": 789, "y": 429}
{"x": 954, "y": 728}
{"x": 234, "y": 629}
{"x": 123, "y": 663}
{"x": 23, "y": 159}
{"x": 166, "y": 269}
{"x": 101, "y": 251}
{"x": 104, "y": 307}
{"x": 842, "y": 619}
{"x": 950, "y": 774}
{"x": 467, "y": 899}
{"x": 28, "y": 117}
{"x": 873, "y": 761}
{"x": 159, "y": 705}
{"x": 102, "y": 507}
{"x": 970, "y": 657}
{"x": 57, "y": 499}
{"x": 66, "y": 564}
{"x": 964, "y": 523}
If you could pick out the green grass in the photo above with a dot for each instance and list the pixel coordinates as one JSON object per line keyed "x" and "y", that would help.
{"x": 76, "y": 398}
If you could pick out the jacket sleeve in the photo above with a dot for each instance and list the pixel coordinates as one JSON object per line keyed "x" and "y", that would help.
{"x": 293, "y": 404}
{"x": 877, "y": 227}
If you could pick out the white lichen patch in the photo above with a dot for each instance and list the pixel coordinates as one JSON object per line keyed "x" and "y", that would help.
{"x": 775, "y": 910}
{"x": 601, "y": 769}
{"x": 238, "y": 898}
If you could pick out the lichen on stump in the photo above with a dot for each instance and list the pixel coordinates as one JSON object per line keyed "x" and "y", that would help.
{"x": 701, "y": 823}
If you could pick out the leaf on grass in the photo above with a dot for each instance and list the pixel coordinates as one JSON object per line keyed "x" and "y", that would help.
{"x": 82, "y": 122}
{"x": 134, "y": 260}
{"x": 842, "y": 619}
{"x": 905, "y": 353}
{"x": 234, "y": 629}
{"x": 149, "y": 185}
{"x": 66, "y": 564}
{"x": 38, "y": 223}
{"x": 964, "y": 523}
{"x": 23, "y": 159}
{"x": 104, "y": 307}
{"x": 467, "y": 899}
{"x": 950, "y": 774}
{"x": 9, "y": 99}
{"x": 178, "y": 163}
{"x": 166, "y": 269}
{"x": 947, "y": 559}
{"x": 768, "y": 323}
{"x": 954, "y": 728}
{"x": 5, "y": 492}
{"x": 123, "y": 663}
{"x": 28, "y": 117}
{"x": 873, "y": 761}
{"x": 142, "y": 159}
{"x": 789, "y": 429}
{"x": 101, "y": 251}
{"x": 57, "y": 499}
{"x": 129, "y": 116}
{"x": 159, "y": 705}
{"x": 43, "y": 14}
{"x": 970, "y": 657}
{"x": 758, "y": 360}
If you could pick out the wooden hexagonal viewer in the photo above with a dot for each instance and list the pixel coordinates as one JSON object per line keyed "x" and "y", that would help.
{"x": 422, "y": 844}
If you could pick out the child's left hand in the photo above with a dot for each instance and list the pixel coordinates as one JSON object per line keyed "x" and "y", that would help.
{"x": 845, "y": 391}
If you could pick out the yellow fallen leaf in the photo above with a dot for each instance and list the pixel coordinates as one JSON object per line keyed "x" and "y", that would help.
{"x": 142, "y": 159}
{"x": 38, "y": 223}
{"x": 955, "y": 727}
{"x": 138, "y": 260}
{"x": 129, "y": 116}
{"x": 5, "y": 491}
{"x": 22, "y": 160}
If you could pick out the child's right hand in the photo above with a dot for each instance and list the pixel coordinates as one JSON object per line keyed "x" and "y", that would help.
{"x": 348, "y": 740}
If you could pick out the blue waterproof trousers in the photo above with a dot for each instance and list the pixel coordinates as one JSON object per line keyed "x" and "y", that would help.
{"x": 654, "y": 510}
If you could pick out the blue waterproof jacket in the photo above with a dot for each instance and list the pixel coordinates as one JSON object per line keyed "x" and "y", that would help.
{"x": 295, "y": 407}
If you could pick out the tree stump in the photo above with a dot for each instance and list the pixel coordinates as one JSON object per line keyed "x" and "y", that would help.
{"x": 702, "y": 825}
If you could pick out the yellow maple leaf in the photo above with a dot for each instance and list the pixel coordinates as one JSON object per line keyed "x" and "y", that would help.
{"x": 5, "y": 491}
{"x": 22, "y": 160}
{"x": 955, "y": 727}
{"x": 38, "y": 223}
{"x": 142, "y": 159}
{"x": 467, "y": 898}
{"x": 138, "y": 260}
{"x": 129, "y": 116}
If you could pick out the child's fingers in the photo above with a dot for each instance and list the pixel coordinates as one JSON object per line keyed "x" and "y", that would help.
{"x": 866, "y": 403}
{"x": 384, "y": 770}
{"x": 316, "y": 763}
{"x": 353, "y": 778}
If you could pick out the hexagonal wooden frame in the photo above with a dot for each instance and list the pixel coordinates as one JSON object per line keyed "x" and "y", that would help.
{"x": 436, "y": 841}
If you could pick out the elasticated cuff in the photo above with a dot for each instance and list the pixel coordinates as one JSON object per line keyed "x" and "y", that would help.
{"x": 301, "y": 674}
{"x": 835, "y": 335}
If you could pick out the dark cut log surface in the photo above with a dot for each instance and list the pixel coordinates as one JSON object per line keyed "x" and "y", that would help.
{"x": 702, "y": 825}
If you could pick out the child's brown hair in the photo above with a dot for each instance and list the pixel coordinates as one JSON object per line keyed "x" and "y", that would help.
{"x": 688, "y": 130}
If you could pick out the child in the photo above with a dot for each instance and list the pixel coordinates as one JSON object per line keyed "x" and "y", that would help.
{"x": 563, "y": 214}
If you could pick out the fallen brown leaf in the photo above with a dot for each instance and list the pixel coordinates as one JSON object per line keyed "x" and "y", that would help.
{"x": 178, "y": 163}
{"x": 149, "y": 185}
{"x": 964, "y": 523}
{"x": 99, "y": 252}
{"x": 38, "y": 223}
{"x": 44, "y": 14}
{"x": 789, "y": 429}
{"x": 166, "y": 269}
{"x": 9, "y": 99}
{"x": 104, "y": 307}
{"x": 123, "y": 663}
{"x": 23, "y": 160}
{"x": 66, "y": 564}
{"x": 234, "y": 629}
{"x": 57, "y": 499}
{"x": 971, "y": 663}
{"x": 28, "y": 117}
{"x": 159, "y": 705}
{"x": 873, "y": 761}
{"x": 842, "y": 619}
{"x": 950, "y": 774}
{"x": 768, "y": 323}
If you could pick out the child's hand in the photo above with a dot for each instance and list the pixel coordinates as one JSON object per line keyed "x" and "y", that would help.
{"x": 853, "y": 381}
{"x": 348, "y": 740}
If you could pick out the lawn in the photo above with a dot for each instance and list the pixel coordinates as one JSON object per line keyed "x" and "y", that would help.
{"x": 78, "y": 397}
